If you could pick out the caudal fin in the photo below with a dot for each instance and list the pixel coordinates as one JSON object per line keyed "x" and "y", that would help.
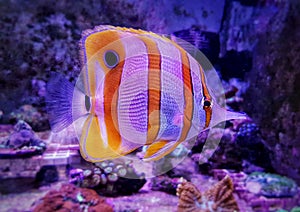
{"x": 221, "y": 114}
{"x": 236, "y": 115}
{"x": 64, "y": 103}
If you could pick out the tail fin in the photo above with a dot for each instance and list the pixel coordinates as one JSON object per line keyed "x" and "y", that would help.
{"x": 221, "y": 114}
{"x": 236, "y": 115}
{"x": 64, "y": 102}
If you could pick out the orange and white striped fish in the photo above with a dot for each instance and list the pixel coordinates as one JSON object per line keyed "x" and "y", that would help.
{"x": 136, "y": 88}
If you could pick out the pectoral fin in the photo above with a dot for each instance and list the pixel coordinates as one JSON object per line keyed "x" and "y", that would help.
{"x": 159, "y": 149}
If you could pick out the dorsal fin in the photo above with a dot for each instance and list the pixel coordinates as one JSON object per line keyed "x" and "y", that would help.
{"x": 192, "y": 50}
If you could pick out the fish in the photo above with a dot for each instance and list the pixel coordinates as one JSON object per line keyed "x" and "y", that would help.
{"x": 136, "y": 88}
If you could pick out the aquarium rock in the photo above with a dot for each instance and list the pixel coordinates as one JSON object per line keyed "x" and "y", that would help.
{"x": 273, "y": 98}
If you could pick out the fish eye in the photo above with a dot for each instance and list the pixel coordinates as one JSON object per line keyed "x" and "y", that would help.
{"x": 111, "y": 59}
{"x": 206, "y": 103}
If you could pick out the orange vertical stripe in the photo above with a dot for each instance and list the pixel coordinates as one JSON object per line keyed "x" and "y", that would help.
{"x": 111, "y": 86}
{"x": 188, "y": 95}
{"x": 154, "y": 88}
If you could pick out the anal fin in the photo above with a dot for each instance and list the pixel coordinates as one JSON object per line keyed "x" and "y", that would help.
{"x": 160, "y": 149}
{"x": 93, "y": 147}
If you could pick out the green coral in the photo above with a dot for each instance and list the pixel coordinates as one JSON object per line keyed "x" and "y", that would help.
{"x": 273, "y": 185}
{"x": 295, "y": 209}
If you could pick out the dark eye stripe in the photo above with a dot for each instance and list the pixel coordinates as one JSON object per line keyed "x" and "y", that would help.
{"x": 87, "y": 103}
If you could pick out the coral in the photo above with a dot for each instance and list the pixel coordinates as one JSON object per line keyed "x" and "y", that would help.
{"x": 71, "y": 198}
{"x": 218, "y": 198}
{"x": 271, "y": 185}
{"x": 248, "y": 132}
{"x": 22, "y": 142}
{"x": 250, "y": 191}
{"x": 109, "y": 178}
{"x": 295, "y": 209}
